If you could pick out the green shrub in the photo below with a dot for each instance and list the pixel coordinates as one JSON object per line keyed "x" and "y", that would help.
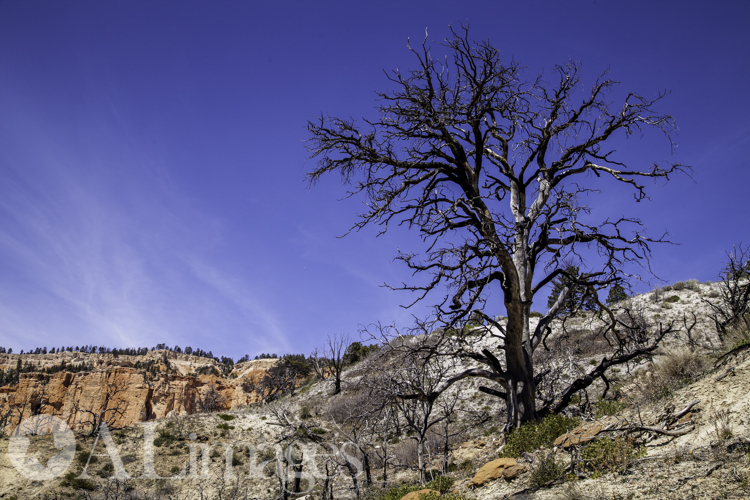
{"x": 396, "y": 492}
{"x": 318, "y": 430}
{"x": 165, "y": 438}
{"x": 692, "y": 285}
{"x": 87, "y": 457}
{"x": 106, "y": 471}
{"x": 225, "y": 417}
{"x": 467, "y": 465}
{"x": 547, "y": 470}
{"x": 443, "y": 484}
{"x": 70, "y": 480}
{"x": 610, "y": 455}
{"x": 399, "y": 491}
{"x": 535, "y": 314}
{"x": 305, "y": 413}
{"x": 679, "y": 286}
{"x": 606, "y": 407}
{"x": 533, "y": 435}
{"x": 225, "y": 427}
{"x": 492, "y": 430}
{"x": 673, "y": 298}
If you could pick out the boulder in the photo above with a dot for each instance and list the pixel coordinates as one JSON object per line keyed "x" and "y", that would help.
{"x": 581, "y": 434}
{"x": 502, "y": 467}
{"x": 415, "y": 495}
{"x": 468, "y": 450}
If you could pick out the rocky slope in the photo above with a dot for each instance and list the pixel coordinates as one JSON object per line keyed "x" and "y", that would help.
{"x": 711, "y": 459}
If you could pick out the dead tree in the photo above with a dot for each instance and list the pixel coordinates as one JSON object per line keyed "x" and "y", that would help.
{"x": 446, "y": 428}
{"x": 329, "y": 361}
{"x": 319, "y": 363}
{"x": 110, "y": 410}
{"x": 19, "y": 410}
{"x": 410, "y": 380}
{"x": 731, "y": 309}
{"x": 292, "y": 431}
{"x": 355, "y": 416}
{"x": 492, "y": 168}
{"x": 212, "y": 400}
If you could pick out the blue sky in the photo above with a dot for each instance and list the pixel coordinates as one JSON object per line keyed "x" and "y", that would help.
{"x": 152, "y": 156}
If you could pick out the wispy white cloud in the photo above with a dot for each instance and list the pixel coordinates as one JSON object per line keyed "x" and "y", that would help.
{"x": 105, "y": 250}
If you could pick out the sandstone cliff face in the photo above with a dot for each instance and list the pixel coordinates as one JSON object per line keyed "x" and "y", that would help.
{"x": 136, "y": 394}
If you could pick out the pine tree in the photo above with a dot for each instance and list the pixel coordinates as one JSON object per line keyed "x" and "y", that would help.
{"x": 576, "y": 299}
{"x": 616, "y": 294}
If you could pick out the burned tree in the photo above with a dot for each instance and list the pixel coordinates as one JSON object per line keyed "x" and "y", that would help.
{"x": 329, "y": 360}
{"x": 280, "y": 380}
{"x": 111, "y": 410}
{"x": 412, "y": 380}
{"x": 732, "y": 309}
{"x": 212, "y": 399}
{"x": 491, "y": 169}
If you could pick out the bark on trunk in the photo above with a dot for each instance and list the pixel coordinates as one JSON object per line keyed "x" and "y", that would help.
{"x": 366, "y": 465}
{"x": 353, "y": 474}
{"x": 521, "y": 396}
{"x": 420, "y": 455}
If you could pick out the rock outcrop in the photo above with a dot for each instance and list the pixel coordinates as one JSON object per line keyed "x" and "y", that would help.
{"x": 131, "y": 395}
{"x": 416, "y": 495}
{"x": 507, "y": 468}
{"x": 580, "y": 435}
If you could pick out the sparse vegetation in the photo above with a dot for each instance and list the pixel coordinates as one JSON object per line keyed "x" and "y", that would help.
{"x": 722, "y": 425}
{"x": 671, "y": 372}
{"x": 534, "y": 435}
{"x": 652, "y": 380}
{"x": 610, "y": 455}
{"x": 305, "y": 412}
{"x": 71, "y": 481}
{"x": 545, "y": 470}
{"x": 164, "y": 438}
{"x": 607, "y": 407}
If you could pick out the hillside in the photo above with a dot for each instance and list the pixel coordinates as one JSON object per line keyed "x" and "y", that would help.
{"x": 675, "y": 426}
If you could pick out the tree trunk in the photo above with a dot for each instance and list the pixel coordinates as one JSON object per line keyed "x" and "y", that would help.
{"x": 353, "y": 474}
{"x": 521, "y": 396}
{"x": 297, "y": 468}
{"x": 420, "y": 456}
{"x": 366, "y": 465}
{"x": 337, "y": 388}
{"x": 385, "y": 474}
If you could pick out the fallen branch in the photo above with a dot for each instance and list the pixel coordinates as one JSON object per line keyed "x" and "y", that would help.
{"x": 685, "y": 479}
{"x": 685, "y": 410}
{"x": 636, "y": 428}
{"x": 733, "y": 351}
{"x": 725, "y": 375}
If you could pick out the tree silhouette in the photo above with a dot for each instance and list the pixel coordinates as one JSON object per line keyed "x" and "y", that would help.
{"x": 491, "y": 169}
